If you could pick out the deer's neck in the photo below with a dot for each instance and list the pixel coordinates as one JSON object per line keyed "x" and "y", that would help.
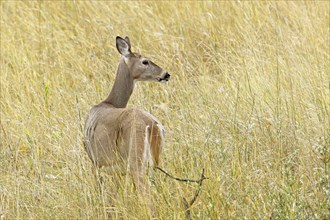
{"x": 122, "y": 88}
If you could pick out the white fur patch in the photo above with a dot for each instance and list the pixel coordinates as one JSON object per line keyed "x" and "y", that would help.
{"x": 146, "y": 153}
{"x": 134, "y": 82}
{"x": 162, "y": 135}
{"x": 125, "y": 59}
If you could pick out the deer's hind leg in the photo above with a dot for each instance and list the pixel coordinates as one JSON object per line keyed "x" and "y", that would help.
{"x": 139, "y": 158}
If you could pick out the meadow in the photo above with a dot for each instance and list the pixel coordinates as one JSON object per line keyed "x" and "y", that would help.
{"x": 248, "y": 101}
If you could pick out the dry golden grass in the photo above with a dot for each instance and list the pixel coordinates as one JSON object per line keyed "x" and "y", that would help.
{"x": 248, "y": 100}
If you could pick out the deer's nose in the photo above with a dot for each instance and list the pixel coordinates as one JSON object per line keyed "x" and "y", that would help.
{"x": 167, "y": 76}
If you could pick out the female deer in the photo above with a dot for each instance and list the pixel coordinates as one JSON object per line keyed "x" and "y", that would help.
{"x": 120, "y": 138}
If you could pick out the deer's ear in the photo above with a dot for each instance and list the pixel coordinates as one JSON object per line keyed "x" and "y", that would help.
{"x": 123, "y": 47}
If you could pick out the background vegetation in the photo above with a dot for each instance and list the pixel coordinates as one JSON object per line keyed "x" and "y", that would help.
{"x": 248, "y": 101}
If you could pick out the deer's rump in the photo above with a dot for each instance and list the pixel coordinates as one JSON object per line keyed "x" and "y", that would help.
{"x": 115, "y": 136}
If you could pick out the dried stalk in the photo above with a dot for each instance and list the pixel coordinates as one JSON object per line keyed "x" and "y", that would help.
{"x": 187, "y": 205}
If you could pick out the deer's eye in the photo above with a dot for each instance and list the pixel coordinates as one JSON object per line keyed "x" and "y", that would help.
{"x": 145, "y": 62}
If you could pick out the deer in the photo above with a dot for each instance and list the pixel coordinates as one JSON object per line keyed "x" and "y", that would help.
{"x": 120, "y": 138}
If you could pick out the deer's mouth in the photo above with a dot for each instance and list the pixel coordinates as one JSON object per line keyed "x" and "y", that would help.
{"x": 165, "y": 78}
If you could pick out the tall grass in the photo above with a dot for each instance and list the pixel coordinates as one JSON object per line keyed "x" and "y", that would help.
{"x": 248, "y": 101}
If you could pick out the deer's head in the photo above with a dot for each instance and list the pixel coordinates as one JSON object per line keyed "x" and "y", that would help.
{"x": 141, "y": 68}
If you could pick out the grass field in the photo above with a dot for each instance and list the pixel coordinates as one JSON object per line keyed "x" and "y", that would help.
{"x": 248, "y": 100}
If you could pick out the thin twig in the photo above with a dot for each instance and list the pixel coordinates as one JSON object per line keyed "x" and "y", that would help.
{"x": 183, "y": 179}
{"x": 187, "y": 212}
{"x": 187, "y": 205}
{"x": 193, "y": 199}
